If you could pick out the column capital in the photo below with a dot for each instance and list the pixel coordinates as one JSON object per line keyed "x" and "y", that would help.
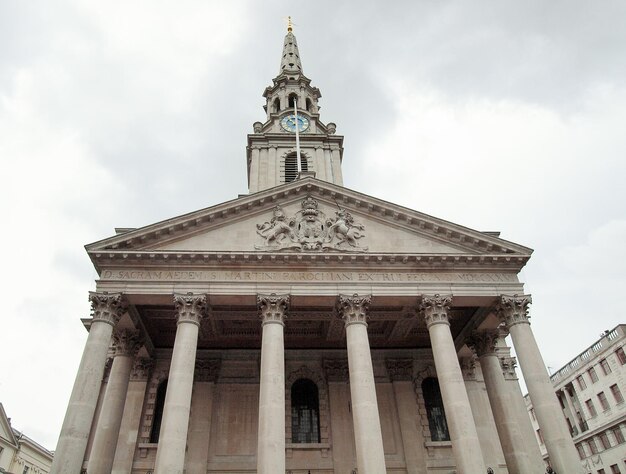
{"x": 207, "y": 370}
{"x": 435, "y": 309}
{"x": 191, "y": 308}
{"x": 513, "y": 310}
{"x": 273, "y": 308}
{"x": 107, "y": 307}
{"x": 508, "y": 365}
{"x": 141, "y": 368}
{"x": 483, "y": 342}
{"x": 336, "y": 370}
{"x": 353, "y": 309}
{"x": 399, "y": 369}
{"x": 126, "y": 342}
{"x": 468, "y": 368}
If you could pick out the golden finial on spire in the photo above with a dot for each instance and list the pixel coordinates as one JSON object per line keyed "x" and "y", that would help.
{"x": 289, "y": 24}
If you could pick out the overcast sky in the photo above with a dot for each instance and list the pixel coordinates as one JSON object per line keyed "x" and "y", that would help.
{"x": 496, "y": 115}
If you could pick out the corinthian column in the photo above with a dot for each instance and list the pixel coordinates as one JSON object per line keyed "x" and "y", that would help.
{"x": 463, "y": 434}
{"x": 170, "y": 457}
{"x": 271, "y": 440}
{"x": 126, "y": 344}
{"x": 513, "y": 311}
{"x": 502, "y": 407}
{"x": 370, "y": 455}
{"x": 107, "y": 309}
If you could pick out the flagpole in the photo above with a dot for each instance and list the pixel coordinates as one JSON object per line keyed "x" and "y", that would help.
{"x": 295, "y": 112}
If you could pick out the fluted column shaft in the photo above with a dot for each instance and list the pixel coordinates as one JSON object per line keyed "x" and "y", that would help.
{"x": 170, "y": 457}
{"x": 463, "y": 434}
{"x": 271, "y": 439}
{"x": 511, "y": 438}
{"x": 513, "y": 311}
{"x": 368, "y": 438}
{"x": 107, "y": 309}
{"x": 108, "y": 427}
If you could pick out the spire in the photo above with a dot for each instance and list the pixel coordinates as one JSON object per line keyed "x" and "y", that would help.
{"x": 290, "y": 61}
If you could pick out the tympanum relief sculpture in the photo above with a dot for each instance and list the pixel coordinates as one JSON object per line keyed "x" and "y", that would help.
{"x": 309, "y": 229}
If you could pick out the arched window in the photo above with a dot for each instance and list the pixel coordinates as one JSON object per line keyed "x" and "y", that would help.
{"x": 276, "y": 104}
{"x": 159, "y": 403}
{"x": 434, "y": 409}
{"x": 293, "y": 98}
{"x": 309, "y": 105}
{"x": 291, "y": 166}
{"x": 305, "y": 412}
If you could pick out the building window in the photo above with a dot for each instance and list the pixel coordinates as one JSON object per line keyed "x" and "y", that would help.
{"x": 615, "y": 469}
{"x": 604, "y": 439}
{"x": 293, "y": 98}
{"x": 26, "y": 469}
{"x": 532, "y": 414}
{"x": 581, "y": 451}
{"x": 277, "y": 105}
{"x": 621, "y": 356}
{"x": 600, "y": 471}
{"x": 159, "y": 404}
{"x": 619, "y": 436}
{"x": 592, "y": 375}
{"x": 581, "y": 382}
{"x": 616, "y": 393}
{"x": 603, "y": 401}
{"x": 591, "y": 408}
{"x": 309, "y": 105}
{"x": 305, "y": 412}
{"x": 592, "y": 446}
{"x": 434, "y": 410}
{"x": 606, "y": 368}
{"x": 291, "y": 166}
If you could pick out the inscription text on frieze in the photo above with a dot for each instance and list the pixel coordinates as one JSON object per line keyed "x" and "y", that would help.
{"x": 329, "y": 276}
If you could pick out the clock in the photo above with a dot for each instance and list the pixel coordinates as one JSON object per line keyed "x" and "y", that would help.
{"x": 288, "y": 122}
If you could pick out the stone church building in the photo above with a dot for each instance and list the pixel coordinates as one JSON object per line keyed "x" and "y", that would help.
{"x": 307, "y": 328}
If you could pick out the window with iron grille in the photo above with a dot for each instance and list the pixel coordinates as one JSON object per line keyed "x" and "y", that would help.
{"x": 434, "y": 410}
{"x": 291, "y": 166}
{"x": 305, "y": 412}
{"x": 159, "y": 404}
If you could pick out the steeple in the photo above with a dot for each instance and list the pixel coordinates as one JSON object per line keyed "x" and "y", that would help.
{"x": 290, "y": 61}
{"x": 271, "y": 152}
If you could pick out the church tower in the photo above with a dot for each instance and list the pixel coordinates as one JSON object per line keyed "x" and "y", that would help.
{"x": 272, "y": 148}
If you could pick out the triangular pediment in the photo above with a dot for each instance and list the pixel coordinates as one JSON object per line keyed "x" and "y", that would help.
{"x": 5, "y": 428}
{"x": 309, "y": 216}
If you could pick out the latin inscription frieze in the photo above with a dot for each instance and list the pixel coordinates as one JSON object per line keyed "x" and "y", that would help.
{"x": 310, "y": 277}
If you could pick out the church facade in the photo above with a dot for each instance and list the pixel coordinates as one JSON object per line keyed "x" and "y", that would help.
{"x": 308, "y": 328}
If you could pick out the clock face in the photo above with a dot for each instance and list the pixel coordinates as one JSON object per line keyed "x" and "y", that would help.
{"x": 288, "y": 122}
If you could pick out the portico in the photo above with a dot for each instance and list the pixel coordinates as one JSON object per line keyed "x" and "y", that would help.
{"x": 305, "y": 328}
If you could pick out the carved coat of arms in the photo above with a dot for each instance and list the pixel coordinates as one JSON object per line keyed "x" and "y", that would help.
{"x": 310, "y": 229}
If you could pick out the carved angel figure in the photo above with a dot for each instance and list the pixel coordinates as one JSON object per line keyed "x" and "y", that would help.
{"x": 275, "y": 231}
{"x": 345, "y": 229}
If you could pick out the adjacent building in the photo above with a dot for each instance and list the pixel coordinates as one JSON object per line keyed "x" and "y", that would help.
{"x": 19, "y": 454}
{"x": 307, "y": 328}
{"x": 591, "y": 390}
